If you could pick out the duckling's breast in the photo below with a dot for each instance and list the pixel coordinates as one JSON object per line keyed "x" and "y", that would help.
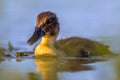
{"x": 45, "y": 50}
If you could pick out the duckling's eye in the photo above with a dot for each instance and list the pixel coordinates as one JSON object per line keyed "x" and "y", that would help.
{"x": 49, "y": 20}
{"x": 37, "y": 30}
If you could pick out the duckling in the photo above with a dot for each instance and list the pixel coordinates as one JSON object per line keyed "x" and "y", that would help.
{"x": 47, "y": 27}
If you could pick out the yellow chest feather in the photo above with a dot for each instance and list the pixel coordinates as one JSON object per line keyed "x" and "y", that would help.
{"x": 47, "y": 47}
{"x": 43, "y": 49}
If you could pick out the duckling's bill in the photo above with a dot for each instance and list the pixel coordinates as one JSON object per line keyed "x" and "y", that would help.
{"x": 38, "y": 33}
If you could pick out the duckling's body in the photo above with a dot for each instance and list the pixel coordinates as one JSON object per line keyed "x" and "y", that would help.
{"x": 47, "y": 27}
{"x": 76, "y": 46}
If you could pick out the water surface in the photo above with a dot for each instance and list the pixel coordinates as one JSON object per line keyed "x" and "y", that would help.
{"x": 55, "y": 69}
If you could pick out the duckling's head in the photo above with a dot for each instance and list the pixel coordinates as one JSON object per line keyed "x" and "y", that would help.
{"x": 47, "y": 25}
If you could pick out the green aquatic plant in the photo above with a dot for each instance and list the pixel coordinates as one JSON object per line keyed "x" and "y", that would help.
{"x": 9, "y": 50}
{"x": 19, "y": 54}
{"x": 10, "y": 46}
{"x": 7, "y": 53}
{"x": 2, "y": 53}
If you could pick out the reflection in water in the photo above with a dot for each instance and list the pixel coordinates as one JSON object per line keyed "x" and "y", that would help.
{"x": 48, "y": 68}
{"x": 116, "y": 64}
{"x": 33, "y": 76}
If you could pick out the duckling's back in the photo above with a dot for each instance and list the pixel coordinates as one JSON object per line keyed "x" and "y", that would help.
{"x": 76, "y": 46}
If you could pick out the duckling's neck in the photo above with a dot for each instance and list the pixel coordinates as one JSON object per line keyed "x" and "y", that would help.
{"x": 48, "y": 41}
{"x": 47, "y": 46}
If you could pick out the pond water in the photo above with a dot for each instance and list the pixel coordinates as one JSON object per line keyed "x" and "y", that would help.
{"x": 93, "y": 19}
{"x": 56, "y": 69}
